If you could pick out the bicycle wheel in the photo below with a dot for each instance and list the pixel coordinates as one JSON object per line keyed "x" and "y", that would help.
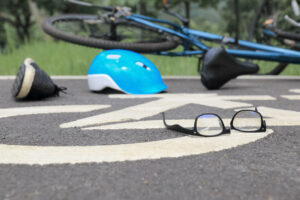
{"x": 92, "y": 31}
{"x": 263, "y": 9}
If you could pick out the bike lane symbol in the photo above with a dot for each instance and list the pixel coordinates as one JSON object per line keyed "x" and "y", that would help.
{"x": 169, "y": 148}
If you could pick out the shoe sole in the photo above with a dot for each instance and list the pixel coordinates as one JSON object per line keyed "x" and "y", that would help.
{"x": 24, "y": 80}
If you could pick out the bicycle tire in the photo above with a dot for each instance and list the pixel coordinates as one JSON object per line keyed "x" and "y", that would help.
{"x": 253, "y": 27}
{"x": 143, "y": 47}
{"x": 287, "y": 35}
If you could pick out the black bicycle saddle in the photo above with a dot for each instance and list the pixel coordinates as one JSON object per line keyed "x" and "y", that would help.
{"x": 219, "y": 67}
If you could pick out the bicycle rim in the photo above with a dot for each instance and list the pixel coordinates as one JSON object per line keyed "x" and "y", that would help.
{"x": 91, "y": 31}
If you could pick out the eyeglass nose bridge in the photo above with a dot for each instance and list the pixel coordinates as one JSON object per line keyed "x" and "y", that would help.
{"x": 227, "y": 131}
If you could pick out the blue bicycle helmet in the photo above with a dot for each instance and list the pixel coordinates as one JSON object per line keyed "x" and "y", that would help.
{"x": 126, "y": 71}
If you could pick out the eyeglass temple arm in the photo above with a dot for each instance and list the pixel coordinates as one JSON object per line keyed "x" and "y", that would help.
{"x": 177, "y": 127}
{"x": 264, "y": 122}
{"x": 264, "y": 126}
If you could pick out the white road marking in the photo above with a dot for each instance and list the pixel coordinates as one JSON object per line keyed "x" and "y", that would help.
{"x": 272, "y": 116}
{"x": 170, "y": 148}
{"x": 292, "y": 97}
{"x": 295, "y": 90}
{"x": 282, "y": 116}
{"x": 11, "y": 112}
{"x": 145, "y": 124}
{"x": 164, "y": 103}
{"x": 188, "y": 123}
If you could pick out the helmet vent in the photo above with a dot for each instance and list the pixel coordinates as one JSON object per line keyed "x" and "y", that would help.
{"x": 113, "y": 56}
{"x": 142, "y": 65}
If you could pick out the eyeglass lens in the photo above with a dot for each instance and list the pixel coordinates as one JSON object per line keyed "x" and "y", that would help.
{"x": 247, "y": 121}
{"x": 209, "y": 125}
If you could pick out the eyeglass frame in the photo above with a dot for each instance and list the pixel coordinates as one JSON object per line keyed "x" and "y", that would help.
{"x": 195, "y": 132}
{"x": 263, "y": 126}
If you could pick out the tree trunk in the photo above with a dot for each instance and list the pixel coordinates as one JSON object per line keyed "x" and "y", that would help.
{"x": 187, "y": 11}
{"x": 38, "y": 18}
{"x": 237, "y": 22}
{"x": 27, "y": 25}
{"x": 3, "y": 40}
{"x": 142, "y": 11}
{"x": 254, "y": 23}
{"x": 142, "y": 7}
{"x": 19, "y": 17}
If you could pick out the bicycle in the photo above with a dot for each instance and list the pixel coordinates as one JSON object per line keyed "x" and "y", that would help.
{"x": 121, "y": 29}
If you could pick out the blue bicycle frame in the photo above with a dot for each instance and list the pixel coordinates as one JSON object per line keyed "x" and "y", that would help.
{"x": 194, "y": 37}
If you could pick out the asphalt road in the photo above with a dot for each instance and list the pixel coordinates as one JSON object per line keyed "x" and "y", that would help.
{"x": 86, "y": 145}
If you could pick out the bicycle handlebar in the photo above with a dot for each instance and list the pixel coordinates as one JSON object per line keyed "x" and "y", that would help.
{"x": 78, "y": 2}
{"x": 184, "y": 20}
{"x": 295, "y": 7}
{"x": 291, "y": 21}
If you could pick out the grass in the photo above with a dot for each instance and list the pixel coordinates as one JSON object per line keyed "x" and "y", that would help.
{"x": 291, "y": 70}
{"x": 61, "y": 58}
{"x": 55, "y": 58}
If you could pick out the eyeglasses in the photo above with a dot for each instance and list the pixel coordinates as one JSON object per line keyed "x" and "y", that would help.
{"x": 210, "y": 124}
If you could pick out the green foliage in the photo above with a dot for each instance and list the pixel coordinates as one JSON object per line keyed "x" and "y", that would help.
{"x": 52, "y": 57}
{"x": 202, "y": 3}
{"x": 51, "y": 6}
{"x": 17, "y": 14}
{"x": 246, "y": 16}
{"x": 277, "y": 9}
